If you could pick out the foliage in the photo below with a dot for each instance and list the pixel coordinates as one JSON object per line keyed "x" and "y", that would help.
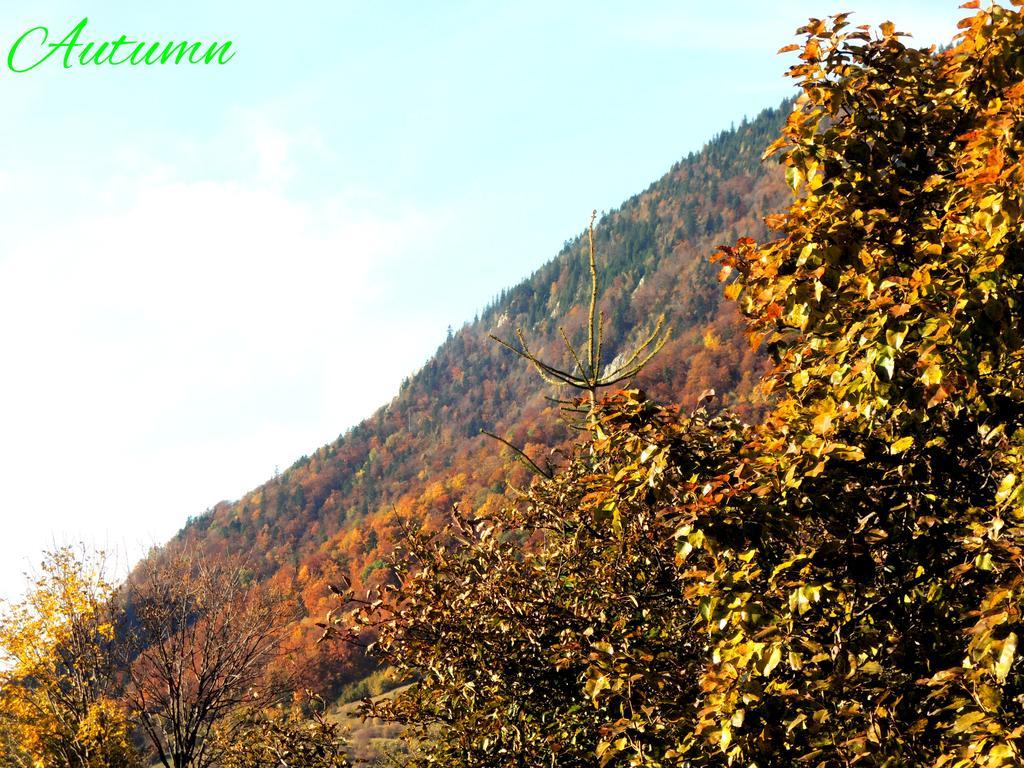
{"x": 879, "y": 624}
{"x": 375, "y": 684}
{"x": 57, "y": 670}
{"x": 285, "y": 740}
{"x": 106, "y": 732}
{"x": 558, "y": 623}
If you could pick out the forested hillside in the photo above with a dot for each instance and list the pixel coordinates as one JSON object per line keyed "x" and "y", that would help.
{"x": 334, "y": 511}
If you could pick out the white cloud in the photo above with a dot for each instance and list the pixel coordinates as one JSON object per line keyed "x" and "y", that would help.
{"x": 169, "y": 352}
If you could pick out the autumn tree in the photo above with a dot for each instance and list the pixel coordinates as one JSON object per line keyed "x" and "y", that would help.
{"x": 870, "y": 613}
{"x": 58, "y": 690}
{"x": 204, "y": 646}
{"x": 512, "y": 625}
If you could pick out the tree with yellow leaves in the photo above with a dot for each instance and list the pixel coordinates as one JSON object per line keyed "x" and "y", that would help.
{"x": 870, "y": 612}
{"x": 57, "y": 670}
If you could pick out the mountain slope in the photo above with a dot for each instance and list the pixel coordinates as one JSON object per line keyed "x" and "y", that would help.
{"x": 335, "y": 511}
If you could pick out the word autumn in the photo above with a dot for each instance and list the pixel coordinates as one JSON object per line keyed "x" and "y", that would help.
{"x": 33, "y": 49}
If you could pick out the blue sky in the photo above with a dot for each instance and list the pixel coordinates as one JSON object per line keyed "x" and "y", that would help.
{"x": 206, "y": 272}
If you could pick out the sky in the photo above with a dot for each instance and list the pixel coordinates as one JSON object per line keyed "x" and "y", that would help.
{"x": 207, "y": 272}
